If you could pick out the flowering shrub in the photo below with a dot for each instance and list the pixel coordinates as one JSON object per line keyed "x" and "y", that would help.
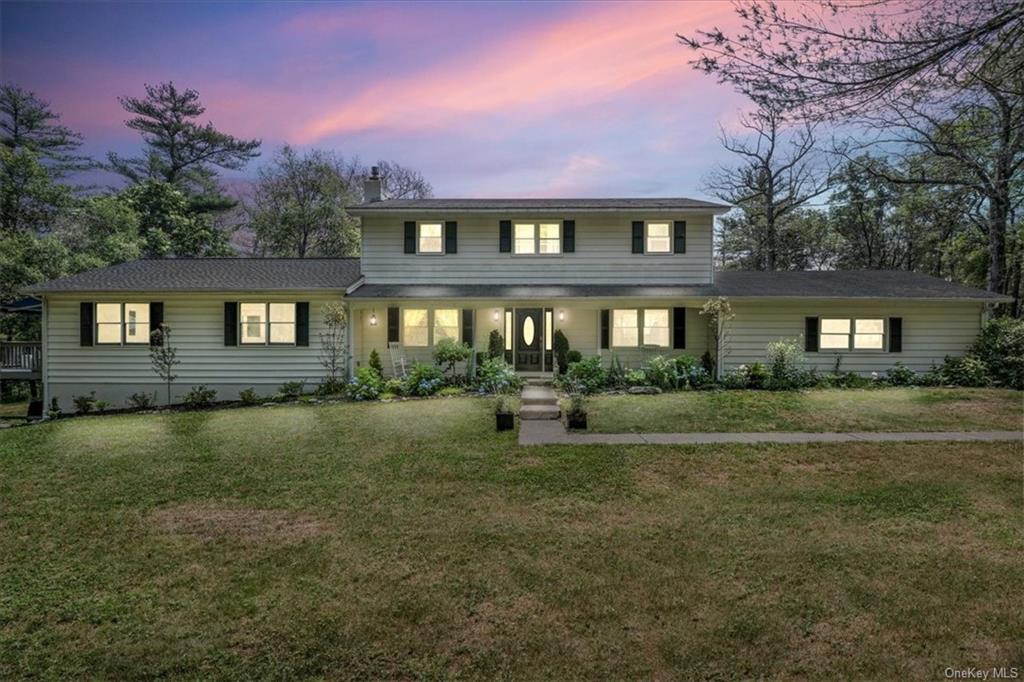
{"x": 735, "y": 377}
{"x": 497, "y": 376}
{"x": 662, "y": 372}
{"x": 899, "y": 375}
{"x": 365, "y": 385}
{"x": 588, "y": 374}
{"x": 698, "y": 377}
{"x": 784, "y": 358}
{"x": 423, "y": 380}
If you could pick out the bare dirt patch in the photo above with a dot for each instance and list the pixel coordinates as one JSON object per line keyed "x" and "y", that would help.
{"x": 210, "y": 523}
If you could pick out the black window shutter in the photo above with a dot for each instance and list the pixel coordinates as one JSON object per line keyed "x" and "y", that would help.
{"x": 451, "y": 237}
{"x": 679, "y": 236}
{"x": 505, "y": 236}
{"x": 605, "y": 314}
{"x": 85, "y": 310}
{"x": 410, "y": 236}
{"x": 638, "y": 236}
{"x": 302, "y": 323}
{"x": 393, "y": 325}
{"x": 156, "y": 320}
{"x": 811, "y": 334}
{"x": 895, "y": 334}
{"x": 679, "y": 327}
{"x": 568, "y": 236}
{"x": 230, "y": 323}
{"x": 467, "y": 326}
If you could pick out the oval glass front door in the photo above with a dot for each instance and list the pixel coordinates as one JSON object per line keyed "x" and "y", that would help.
{"x": 528, "y": 331}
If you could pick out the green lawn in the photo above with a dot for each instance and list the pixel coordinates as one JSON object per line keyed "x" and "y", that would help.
{"x": 893, "y": 409}
{"x": 410, "y": 541}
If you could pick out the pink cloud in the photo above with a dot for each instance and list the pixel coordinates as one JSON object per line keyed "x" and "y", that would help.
{"x": 600, "y": 51}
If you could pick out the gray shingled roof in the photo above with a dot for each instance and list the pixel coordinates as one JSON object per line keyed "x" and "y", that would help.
{"x": 869, "y": 284}
{"x": 212, "y": 274}
{"x": 535, "y": 205}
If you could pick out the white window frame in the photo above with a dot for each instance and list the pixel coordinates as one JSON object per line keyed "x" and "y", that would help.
{"x": 636, "y": 327}
{"x": 667, "y": 328}
{"x": 267, "y": 324}
{"x": 535, "y": 224}
{"x": 122, "y": 323}
{"x": 647, "y": 237}
{"x": 419, "y": 238}
{"x": 851, "y": 335}
{"x": 432, "y": 315}
{"x": 427, "y": 320}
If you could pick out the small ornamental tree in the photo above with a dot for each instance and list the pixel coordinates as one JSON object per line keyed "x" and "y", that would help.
{"x": 719, "y": 313}
{"x": 448, "y": 352}
{"x": 375, "y": 363}
{"x": 560, "y": 346}
{"x": 164, "y": 356}
{"x": 333, "y": 353}
{"x": 495, "y": 345}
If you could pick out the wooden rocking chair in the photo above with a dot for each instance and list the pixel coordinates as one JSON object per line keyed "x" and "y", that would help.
{"x": 397, "y": 353}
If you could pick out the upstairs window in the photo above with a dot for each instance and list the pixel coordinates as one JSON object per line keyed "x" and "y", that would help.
{"x": 538, "y": 238}
{"x": 659, "y": 238}
{"x": 262, "y": 323}
{"x": 430, "y": 238}
{"x": 118, "y": 323}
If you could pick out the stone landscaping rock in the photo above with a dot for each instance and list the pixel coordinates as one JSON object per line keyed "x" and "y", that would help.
{"x": 644, "y": 390}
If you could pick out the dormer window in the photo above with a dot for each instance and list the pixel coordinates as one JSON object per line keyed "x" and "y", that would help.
{"x": 430, "y": 238}
{"x": 538, "y": 238}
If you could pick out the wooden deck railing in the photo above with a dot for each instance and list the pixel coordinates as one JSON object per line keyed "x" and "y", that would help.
{"x": 21, "y": 356}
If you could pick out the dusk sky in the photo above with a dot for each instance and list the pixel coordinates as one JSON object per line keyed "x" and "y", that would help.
{"x": 489, "y": 99}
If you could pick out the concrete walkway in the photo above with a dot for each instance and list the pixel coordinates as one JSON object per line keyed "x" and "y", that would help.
{"x": 554, "y": 433}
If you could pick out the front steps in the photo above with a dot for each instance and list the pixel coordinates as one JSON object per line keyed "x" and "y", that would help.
{"x": 539, "y": 402}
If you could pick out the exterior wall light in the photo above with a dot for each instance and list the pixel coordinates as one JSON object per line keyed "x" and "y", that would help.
{"x": 373, "y": 319}
{"x": 497, "y": 315}
{"x": 561, "y": 316}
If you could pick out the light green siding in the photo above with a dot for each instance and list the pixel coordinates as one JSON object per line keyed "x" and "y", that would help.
{"x": 931, "y": 331}
{"x": 603, "y": 253}
{"x": 197, "y": 327}
{"x": 581, "y": 326}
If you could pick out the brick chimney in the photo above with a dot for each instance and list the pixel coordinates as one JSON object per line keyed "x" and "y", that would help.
{"x": 371, "y": 186}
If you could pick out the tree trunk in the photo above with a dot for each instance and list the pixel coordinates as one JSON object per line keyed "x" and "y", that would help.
{"x": 997, "y": 218}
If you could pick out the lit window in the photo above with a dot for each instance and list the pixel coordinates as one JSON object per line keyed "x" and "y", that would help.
{"x": 835, "y": 335}
{"x": 656, "y": 327}
{"x": 414, "y": 327}
{"x": 108, "y": 323}
{"x": 658, "y": 238}
{"x": 282, "y": 323}
{"x": 253, "y": 319}
{"x": 625, "y": 328}
{"x": 136, "y": 323}
{"x": 525, "y": 238}
{"x": 508, "y": 330}
{"x": 446, "y": 325}
{"x": 550, "y": 238}
{"x": 549, "y": 323}
{"x": 430, "y": 240}
{"x": 544, "y": 238}
{"x": 868, "y": 334}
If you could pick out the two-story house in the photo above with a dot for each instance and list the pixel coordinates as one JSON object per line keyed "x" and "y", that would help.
{"x": 622, "y": 277}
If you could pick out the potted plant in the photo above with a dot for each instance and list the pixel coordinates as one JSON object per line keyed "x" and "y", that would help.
{"x": 505, "y": 418}
{"x": 576, "y": 411}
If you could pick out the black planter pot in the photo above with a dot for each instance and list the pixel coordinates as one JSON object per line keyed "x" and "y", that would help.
{"x": 506, "y": 421}
{"x": 577, "y": 421}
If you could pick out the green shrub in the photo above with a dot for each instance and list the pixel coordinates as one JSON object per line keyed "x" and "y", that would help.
{"x": 1001, "y": 347}
{"x": 449, "y": 352}
{"x": 291, "y": 389}
{"x": 449, "y": 391}
{"x": 662, "y": 372}
{"x": 366, "y": 384}
{"x": 899, "y": 375}
{"x": 577, "y": 406}
{"x": 331, "y": 386}
{"x": 699, "y": 377}
{"x": 84, "y": 404}
{"x": 784, "y": 358}
{"x": 103, "y": 405}
{"x": 573, "y": 356}
{"x": 248, "y": 396}
{"x": 495, "y": 345}
{"x": 735, "y": 378}
{"x": 497, "y": 376}
{"x": 200, "y": 396}
{"x": 375, "y": 362}
{"x": 757, "y": 376}
{"x": 636, "y": 377}
{"x": 560, "y": 346}
{"x": 423, "y": 380}
{"x": 394, "y": 387}
{"x": 842, "y": 380}
{"x": 587, "y": 374}
{"x": 141, "y": 401}
{"x": 616, "y": 377}
{"x": 968, "y": 370}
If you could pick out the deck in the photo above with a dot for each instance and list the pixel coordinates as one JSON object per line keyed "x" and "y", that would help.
{"x": 21, "y": 360}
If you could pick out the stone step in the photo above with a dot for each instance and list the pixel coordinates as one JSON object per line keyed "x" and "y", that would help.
{"x": 531, "y": 400}
{"x": 539, "y": 412}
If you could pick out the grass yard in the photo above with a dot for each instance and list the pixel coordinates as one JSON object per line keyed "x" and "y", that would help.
{"x": 410, "y": 541}
{"x": 892, "y": 409}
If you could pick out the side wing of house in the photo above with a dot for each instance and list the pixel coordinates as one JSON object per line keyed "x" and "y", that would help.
{"x": 229, "y": 341}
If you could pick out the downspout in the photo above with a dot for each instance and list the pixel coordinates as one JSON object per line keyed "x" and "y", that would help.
{"x": 44, "y": 351}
